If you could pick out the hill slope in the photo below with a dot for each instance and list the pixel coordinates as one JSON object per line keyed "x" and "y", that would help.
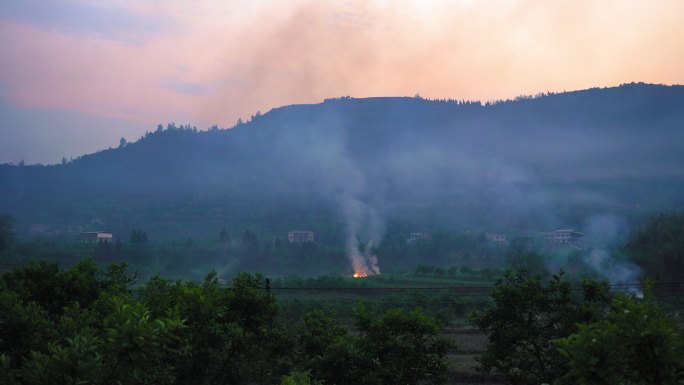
{"x": 531, "y": 163}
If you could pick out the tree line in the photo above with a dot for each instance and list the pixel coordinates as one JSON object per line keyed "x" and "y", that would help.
{"x": 91, "y": 325}
{"x": 86, "y": 325}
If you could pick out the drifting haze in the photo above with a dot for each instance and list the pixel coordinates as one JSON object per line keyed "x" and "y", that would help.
{"x": 215, "y": 61}
{"x": 363, "y": 173}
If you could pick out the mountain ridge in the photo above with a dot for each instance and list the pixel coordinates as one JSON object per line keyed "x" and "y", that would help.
{"x": 537, "y": 157}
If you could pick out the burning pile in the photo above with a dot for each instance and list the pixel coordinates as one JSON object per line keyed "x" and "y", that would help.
{"x": 364, "y": 262}
{"x": 362, "y": 219}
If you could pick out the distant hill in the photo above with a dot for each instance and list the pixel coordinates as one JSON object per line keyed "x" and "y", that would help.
{"x": 364, "y": 164}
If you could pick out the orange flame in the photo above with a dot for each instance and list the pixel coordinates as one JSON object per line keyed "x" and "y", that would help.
{"x": 359, "y": 275}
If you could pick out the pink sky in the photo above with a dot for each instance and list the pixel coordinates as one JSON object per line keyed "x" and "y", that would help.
{"x": 206, "y": 62}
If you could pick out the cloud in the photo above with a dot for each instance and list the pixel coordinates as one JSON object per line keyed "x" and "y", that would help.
{"x": 211, "y": 62}
{"x": 98, "y": 20}
{"x": 186, "y": 87}
{"x": 183, "y": 69}
{"x": 47, "y": 135}
{"x": 89, "y": 76}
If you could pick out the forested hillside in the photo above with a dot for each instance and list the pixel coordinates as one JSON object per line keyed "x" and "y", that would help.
{"x": 530, "y": 164}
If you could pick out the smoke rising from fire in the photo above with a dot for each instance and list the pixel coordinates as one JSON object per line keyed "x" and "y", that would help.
{"x": 434, "y": 166}
{"x": 325, "y": 148}
{"x": 362, "y": 221}
{"x": 604, "y": 233}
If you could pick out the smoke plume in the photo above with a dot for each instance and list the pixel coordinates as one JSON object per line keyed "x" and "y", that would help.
{"x": 604, "y": 233}
{"x": 364, "y": 232}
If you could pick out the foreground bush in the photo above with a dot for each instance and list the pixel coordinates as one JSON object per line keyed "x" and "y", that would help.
{"x": 527, "y": 316}
{"x": 636, "y": 344}
{"x": 85, "y": 326}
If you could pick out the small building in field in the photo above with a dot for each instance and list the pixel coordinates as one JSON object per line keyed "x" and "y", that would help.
{"x": 38, "y": 228}
{"x": 415, "y": 237}
{"x": 96, "y": 237}
{"x": 499, "y": 239}
{"x": 300, "y": 236}
{"x": 563, "y": 237}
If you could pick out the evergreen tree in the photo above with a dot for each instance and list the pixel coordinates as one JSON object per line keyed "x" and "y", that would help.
{"x": 135, "y": 236}
{"x": 224, "y": 237}
{"x": 6, "y": 232}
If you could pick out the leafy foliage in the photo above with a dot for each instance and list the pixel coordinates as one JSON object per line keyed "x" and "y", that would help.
{"x": 92, "y": 329}
{"x": 405, "y": 346}
{"x": 396, "y": 347}
{"x": 83, "y": 325}
{"x": 6, "y": 232}
{"x": 299, "y": 378}
{"x": 658, "y": 247}
{"x": 636, "y": 344}
{"x": 231, "y": 336}
{"x": 522, "y": 258}
{"x": 527, "y": 316}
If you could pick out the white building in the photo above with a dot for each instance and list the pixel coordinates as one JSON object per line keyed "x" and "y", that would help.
{"x": 563, "y": 237}
{"x": 497, "y": 238}
{"x": 96, "y": 236}
{"x": 415, "y": 237}
{"x": 300, "y": 236}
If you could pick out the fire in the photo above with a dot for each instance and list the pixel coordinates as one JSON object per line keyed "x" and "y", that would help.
{"x": 359, "y": 275}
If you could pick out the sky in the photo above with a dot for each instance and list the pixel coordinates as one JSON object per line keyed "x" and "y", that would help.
{"x": 78, "y": 75}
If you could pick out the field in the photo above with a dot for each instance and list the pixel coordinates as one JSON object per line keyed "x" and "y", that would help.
{"x": 448, "y": 299}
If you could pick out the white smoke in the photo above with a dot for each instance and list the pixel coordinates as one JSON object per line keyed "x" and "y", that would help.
{"x": 615, "y": 271}
{"x": 604, "y": 233}
{"x": 362, "y": 221}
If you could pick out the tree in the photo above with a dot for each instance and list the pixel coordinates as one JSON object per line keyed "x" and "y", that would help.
{"x": 525, "y": 319}
{"x": 224, "y": 237}
{"x": 137, "y": 346}
{"x": 232, "y": 335}
{"x": 48, "y": 317}
{"x": 522, "y": 258}
{"x": 658, "y": 247}
{"x": 133, "y": 349}
{"x": 6, "y": 231}
{"x": 135, "y": 236}
{"x": 250, "y": 244}
{"x": 138, "y": 236}
{"x": 405, "y": 347}
{"x": 424, "y": 269}
{"x": 122, "y": 142}
{"x": 317, "y": 332}
{"x": 636, "y": 344}
{"x": 298, "y": 378}
{"x": 396, "y": 347}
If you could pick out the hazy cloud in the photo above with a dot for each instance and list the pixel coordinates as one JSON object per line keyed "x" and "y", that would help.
{"x": 186, "y": 87}
{"x": 92, "y": 19}
{"x": 45, "y": 136}
{"x": 77, "y": 56}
